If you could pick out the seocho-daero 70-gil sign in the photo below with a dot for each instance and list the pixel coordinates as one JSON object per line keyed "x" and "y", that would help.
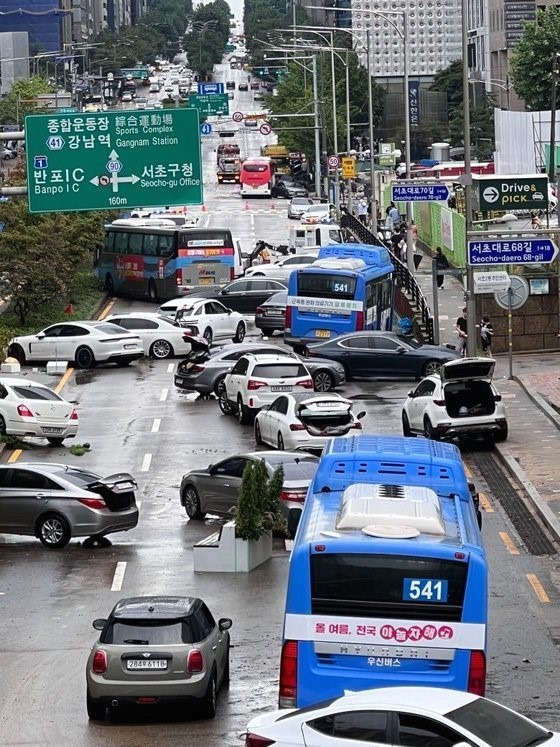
{"x": 99, "y": 161}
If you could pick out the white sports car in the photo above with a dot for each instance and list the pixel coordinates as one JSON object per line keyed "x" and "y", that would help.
{"x": 160, "y": 337}
{"x": 205, "y": 317}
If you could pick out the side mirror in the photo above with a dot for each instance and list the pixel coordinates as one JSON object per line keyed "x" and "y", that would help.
{"x": 229, "y": 311}
{"x": 99, "y": 624}
{"x": 361, "y": 415}
{"x": 211, "y": 468}
{"x": 400, "y": 349}
{"x": 411, "y": 393}
{"x": 224, "y": 623}
{"x": 40, "y": 335}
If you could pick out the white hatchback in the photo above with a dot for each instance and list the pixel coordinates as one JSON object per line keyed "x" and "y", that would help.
{"x": 282, "y": 269}
{"x": 205, "y": 317}
{"x": 28, "y": 408}
{"x": 257, "y": 380}
{"x": 160, "y": 336}
{"x": 304, "y": 422}
{"x": 458, "y": 402}
{"x": 83, "y": 343}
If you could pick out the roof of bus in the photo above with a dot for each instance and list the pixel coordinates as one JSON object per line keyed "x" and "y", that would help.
{"x": 373, "y": 256}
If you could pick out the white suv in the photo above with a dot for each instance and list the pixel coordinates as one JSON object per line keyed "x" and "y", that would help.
{"x": 459, "y": 402}
{"x": 257, "y": 380}
{"x": 205, "y": 317}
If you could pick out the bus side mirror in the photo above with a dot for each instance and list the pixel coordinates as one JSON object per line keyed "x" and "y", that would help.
{"x": 361, "y": 415}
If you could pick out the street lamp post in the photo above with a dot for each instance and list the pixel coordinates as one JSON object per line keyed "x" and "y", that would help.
{"x": 201, "y": 28}
{"x": 467, "y": 180}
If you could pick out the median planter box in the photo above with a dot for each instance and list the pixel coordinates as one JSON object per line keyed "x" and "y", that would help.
{"x": 223, "y": 552}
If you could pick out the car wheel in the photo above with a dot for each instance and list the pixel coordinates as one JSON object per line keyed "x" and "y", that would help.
{"x": 219, "y": 385}
{"x": 323, "y": 381}
{"x": 498, "y": 438}
{"x": 258, "y": 434}
{"x": 85, "y": 358}
{"x": 208, "y": 702}
{"x": 223, "y": 403}
{"x": 152, "y": 292}
{"x": 280, "y": 442}
{"x": 109, "y": 285}
{"x": 239, "y": 333}
{"x": 242, "y": 412}
{"x": 226, "y": 675}
{"x": 54, "y": 531}
{"x": 406, "y": 425}
{"x": 430, "y": 368}
{"x": 208, "y": 335}
{"x": 17, "y": 352}
{"x": 95, "y": 711}
{"x": 55, "y": 440}
{"x": 161, "y": 349}
{"x": 2, "y": 426}
{"x": 191, "y": 502}
{"x": 429, "y": 429}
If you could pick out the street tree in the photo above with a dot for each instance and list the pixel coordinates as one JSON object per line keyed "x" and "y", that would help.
{"x": 533, "y": 57}
{"x": 205, "y": 44}
{"x": 22, "y": 99}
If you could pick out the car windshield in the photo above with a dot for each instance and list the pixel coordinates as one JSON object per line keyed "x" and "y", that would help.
{"x": 496, "y": 725}
{"x": 78, "y": 477}
{"x": 36, "y": 392}
{"x": 301, "y": 201}
{"x": 279, "y": 370}
{"x": 278, "y": 299}
{"x": 410, "y": 342}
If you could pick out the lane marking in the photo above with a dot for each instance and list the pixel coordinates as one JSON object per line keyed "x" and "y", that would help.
{"x": 15, "y": 456}
{"x": 163, "y": 395}
{"x": 485, "y": 503}
{"x": 146, "y": 463}
{"x": 155, "y": 425}
{"x": 118, "y": 576}
{"x": 170, "y": 367}
{"x": 106, "y": 310}
{"x": 509, "y": 543}
{"x": 542, "y": 596}
{"x": 468, "y": 473}
{"x": 62, "y": 383}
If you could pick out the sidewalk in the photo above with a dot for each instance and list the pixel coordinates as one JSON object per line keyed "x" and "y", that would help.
{"x": 532, "y": 451}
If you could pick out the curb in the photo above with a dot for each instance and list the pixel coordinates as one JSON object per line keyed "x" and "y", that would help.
{"x": 540, "y": 402}
{"x": 539, "y": 504}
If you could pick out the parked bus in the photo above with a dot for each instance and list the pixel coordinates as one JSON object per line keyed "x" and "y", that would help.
{"x": 349, "y": 288}
{"x": 162, "y": 261}
{"x": 388, "y": 578}
{"x": 256, "y": 177}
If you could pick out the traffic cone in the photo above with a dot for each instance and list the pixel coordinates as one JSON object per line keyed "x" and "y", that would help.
{"x": 204, "y": 208}
{"x": 246, "y": 205}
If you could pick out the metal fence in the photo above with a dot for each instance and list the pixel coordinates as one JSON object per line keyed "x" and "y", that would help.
{"x": 405, "y": 280}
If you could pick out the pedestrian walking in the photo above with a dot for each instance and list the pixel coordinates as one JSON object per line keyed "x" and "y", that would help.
{"x": 461, "y": 329}
{"x": 362, "y": 212}
{"x": 536, "y": 219}
{"x": 486, "y": 334}
{"x": 394, "y": 215}
{"x": 441, "y": 265}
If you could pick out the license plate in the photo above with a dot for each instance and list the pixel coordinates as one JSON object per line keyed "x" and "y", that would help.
{"x": 280, "y": 388}
{"x": 206, "y": 281}
{"x": 52, "y": 430}
{"x": 130, "y": 347}
{"x": 322, "y": 333}
{"x": 146, "y": 664}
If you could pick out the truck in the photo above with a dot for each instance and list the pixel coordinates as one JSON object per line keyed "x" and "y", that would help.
{"x": 155, "y": 84}
{"x": 280, "y": 157}
{"x": 227, "y": 150}
{"x": 229, "y": 169}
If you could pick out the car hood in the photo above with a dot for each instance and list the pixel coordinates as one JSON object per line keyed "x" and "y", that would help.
{"x": 468, "y": 368}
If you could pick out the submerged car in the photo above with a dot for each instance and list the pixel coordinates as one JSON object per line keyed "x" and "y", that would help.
{"x": 459, "y": 402}
{"x": 158, "y": 650}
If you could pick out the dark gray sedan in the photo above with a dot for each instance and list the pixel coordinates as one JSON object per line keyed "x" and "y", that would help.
{"x": 383, "y": 355}
{"x": 56, "y": 502}
{"x": 270, "y": 316}
{"x": 207, "y": 376}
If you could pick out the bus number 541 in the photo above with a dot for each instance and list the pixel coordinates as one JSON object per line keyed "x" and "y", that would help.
{"x": 424, "y": 590}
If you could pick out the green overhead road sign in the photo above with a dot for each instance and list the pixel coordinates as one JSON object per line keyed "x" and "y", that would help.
{"x": 99, "y": 161}
{"x": 512, "y": 192}
{"x": 210, "y": 104}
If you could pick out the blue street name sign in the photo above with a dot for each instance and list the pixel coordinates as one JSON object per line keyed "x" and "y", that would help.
{"x": 520, "y": 251}
{"x": 417, "y": 192}
{"x": 206, "y": 128}
{"x": 210, "y": 88}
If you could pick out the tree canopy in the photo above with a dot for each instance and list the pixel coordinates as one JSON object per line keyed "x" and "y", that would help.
{"x": 533, "y": 57}
{"x": 205, "y": 44}
{"x": 21, "y": 100}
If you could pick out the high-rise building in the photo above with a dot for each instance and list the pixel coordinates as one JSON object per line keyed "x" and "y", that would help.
{"x": 43, "y": 20}
{"x": 14, "y": 58}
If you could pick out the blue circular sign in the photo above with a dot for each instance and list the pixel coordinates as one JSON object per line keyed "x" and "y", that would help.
{"x": 205, "y": 129}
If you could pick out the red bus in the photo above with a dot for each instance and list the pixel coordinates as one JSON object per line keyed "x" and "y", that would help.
{"x": 257, "y": 177}
{"x": 450, "y": 169}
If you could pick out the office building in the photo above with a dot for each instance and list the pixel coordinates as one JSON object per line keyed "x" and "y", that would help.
{"x": 14, "y": 59}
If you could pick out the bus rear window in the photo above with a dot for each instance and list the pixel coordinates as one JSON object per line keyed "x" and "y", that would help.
{"x": 253, "y": 167}
{"x": 326, "y": 285}
{"x": 387, "y": 586}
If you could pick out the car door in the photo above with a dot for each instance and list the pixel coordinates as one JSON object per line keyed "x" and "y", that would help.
{"x": 279, "y": 422}
{"x": 233, "y": 296}
{"x": 388, "y": 357}
{"x": 365, "y": 728}
{"x": 419, "y": 731}
{"x": 269, "y": 420}
{"x": 225, "y": 484}
{"x": 215, "y": 646}
{"x": 24, "y": 495}
{"x": 417, "y": 404}
{"x": 355, "y": 354}
{"x": 44, "y": 345}
{"x": 221, "y": 320}
{"x": 234, "y": 380}
{"x": 70, "y": 338}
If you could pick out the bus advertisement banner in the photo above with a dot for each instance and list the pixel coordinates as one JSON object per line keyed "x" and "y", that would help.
{"x": 340, "y": 305}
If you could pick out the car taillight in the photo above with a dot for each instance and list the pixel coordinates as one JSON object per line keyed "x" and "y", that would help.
{"x": 305, "y": 383}
{"x": 439, "y": 402}
{"x": 288, "y": 318}
{"x": 73, "y": 415}
{"x": 253, "y": 384}
{"x": 24, "y": 411}
{"x": 195, "y": 661}
{"x": 297, "y": 427}
{"x": 359, "y": 320}
{"x": 288, "y": 675}
{"x": 93, "y": 502}
{"x": 99, "y": 663}
{"x": 254, "y": 740}
{"x": 477, "y": 673}
{"x": 178, "y": 276}
{"x": 357, "y": 425}
{"x": 231, "y": 274}
{"x": 293, "y": 495}
{"x": 196, "y": 369}
{"x": 259, "y": 310}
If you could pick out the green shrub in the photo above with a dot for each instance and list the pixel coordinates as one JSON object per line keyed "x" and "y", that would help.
{"x": 258, "y": 508}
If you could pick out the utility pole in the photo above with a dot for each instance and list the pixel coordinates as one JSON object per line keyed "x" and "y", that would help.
{"x": 552, "y": 155}
{"x": 317, "y": 128}
{"x": 467, "y": 183}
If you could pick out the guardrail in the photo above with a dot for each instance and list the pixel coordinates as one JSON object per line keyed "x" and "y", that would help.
{"x": 405, "y": 279}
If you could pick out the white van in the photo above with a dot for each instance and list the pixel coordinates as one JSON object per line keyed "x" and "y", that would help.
{"x": 303, "y": 237}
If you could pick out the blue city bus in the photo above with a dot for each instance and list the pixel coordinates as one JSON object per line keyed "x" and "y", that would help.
{"x": 153, "y": 258}
{"x": 348, "y": 288}
{"x": 388, "y": 579}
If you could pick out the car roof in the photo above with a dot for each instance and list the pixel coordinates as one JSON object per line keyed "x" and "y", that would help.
{"x": 156, "y": 607}
{"x": 434, "y": 699}
{"x": 317, "y": 397}
{"x": 270, "y": 358}
{"x": 149, "y": 314}
{"x": 20, "y": 381}
{"x": 279, "y": 457}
